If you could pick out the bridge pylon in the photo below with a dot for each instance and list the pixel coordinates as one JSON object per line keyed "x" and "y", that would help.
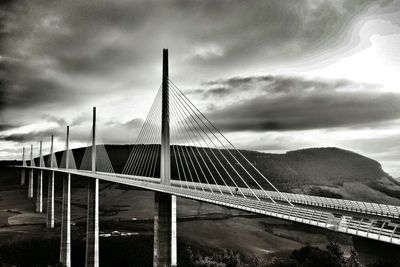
{"x": 165, "y": 252}
{"x": 50, "y": 190}
{"x": 39, "y": 186}
{"x": 23, "y": 164}
{"x": 30, "y": 185}
{"x": 92, "y": 223}
{"x": 65, "y": 246}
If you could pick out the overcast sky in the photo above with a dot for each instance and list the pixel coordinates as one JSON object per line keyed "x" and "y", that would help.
{"x": 273, "y": 75}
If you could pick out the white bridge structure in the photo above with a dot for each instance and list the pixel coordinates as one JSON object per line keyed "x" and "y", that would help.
{"x": 179, "y": 153}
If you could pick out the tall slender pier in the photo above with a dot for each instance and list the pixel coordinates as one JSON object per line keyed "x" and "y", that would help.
{"x": 50, "y": 190}
{"x": 92, "y": 225}
{"x": 165, "y": 204}
{"x": 30, "y": 185}
{"x": 39, "y": 186}
{"x": 65, "y": 246}
{"x": 23, "y": 164}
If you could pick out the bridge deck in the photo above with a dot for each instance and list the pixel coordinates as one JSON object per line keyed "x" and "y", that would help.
{"x": 382, "y": 230}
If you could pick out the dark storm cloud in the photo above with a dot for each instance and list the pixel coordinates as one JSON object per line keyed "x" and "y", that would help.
{"x": 33, "y": 136}
{"x": 62, "y": 55}
{"x": 107, "y": 131}
{"x": 280, "y": 103}
{"x": 52, "y": 118}
{"x": 272, "y": 84}
{"x": 101, "y": 39}
{"x": 7, "y": 126}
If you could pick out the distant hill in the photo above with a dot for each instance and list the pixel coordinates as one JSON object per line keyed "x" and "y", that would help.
{"x": 317, "y": 166}
{"x": 330, "y": 172}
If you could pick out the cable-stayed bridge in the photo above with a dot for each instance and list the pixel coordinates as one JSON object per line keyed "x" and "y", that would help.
{"x": 179, "y": 152}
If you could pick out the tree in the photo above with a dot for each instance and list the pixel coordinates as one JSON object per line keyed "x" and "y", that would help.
{"x": 352, "y": 261}
{"x": 336, "y": 251}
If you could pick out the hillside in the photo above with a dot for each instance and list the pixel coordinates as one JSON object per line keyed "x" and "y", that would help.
{"x": 330, "y": 172}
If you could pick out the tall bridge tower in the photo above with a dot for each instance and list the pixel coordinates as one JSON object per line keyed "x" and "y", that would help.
{"x": 92, "y": 222}
{"x": 165, "y": 253}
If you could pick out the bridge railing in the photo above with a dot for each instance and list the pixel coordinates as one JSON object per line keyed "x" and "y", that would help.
{"x": 390, "y": 211}
{"x": 374, "y": 229}
{"x": 378, "y": 230}
{"x": 349, "y": 205}
{"x": 340, "y": 204}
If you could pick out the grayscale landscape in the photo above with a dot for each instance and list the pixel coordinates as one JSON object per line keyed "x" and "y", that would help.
{"x": 200, "y": 133}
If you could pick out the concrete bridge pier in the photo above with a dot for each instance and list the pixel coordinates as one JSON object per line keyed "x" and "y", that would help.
{"x": 50, "y": 201}
{"x": 23, "y": 170}
{"x": 165, "y": 204}
{"x": 22, "y": 176}
{"x": 39, "y": 193}
{"x": 164, "y": 230}
{"x": 50, "y": 191}
{"x": 30, "y": 182}
{"x": 92, "y": 223}
{"x": 92, "y": 226}
{"x": 65, "y": 246}
{"x": 39, "y": 187}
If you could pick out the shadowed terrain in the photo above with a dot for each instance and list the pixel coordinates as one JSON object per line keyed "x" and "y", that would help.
{"x": 330, "y": 172}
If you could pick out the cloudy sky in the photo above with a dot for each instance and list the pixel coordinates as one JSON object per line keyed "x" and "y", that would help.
{"x": 273, "y": 75}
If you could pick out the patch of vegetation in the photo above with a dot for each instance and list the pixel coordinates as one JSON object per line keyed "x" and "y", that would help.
{"x": 138, "y": 251}
{"x": 331, "y": 256}
{"x": 321, "y": 192}
{"x": 385, "y": 189}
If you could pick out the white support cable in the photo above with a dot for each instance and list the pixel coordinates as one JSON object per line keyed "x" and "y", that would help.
{"x": 187, "y": 166}
{"x": 102, "y": 158}
{"x": 190, "y": 146}
{"x": 184, "y": 157}
{"x": 151, "y": 128}
{"x": 108, "y": 160}
{"x": 207, "y": 154}
{"x": 220, "y": 152}
{"x": 230, "y": 164}
{"x": 177, "y": 167}
{"x": 156, "y": 160}
{"x": 148, "y": 135}
{"x": 86, "y": 155}
{"x": 174, "y": 112}
{"x": 128, "y": 165}
{"x": 64, "y": 157}
{"x": 129, "y": 160}
{"x": 153, "y": 133}
{"x": 192, "y": 164}
{"x": 176, "y": 156}
{"x": 150, "y": 156}
{"x": 223, "y": 167}
{"x": 138, "y": 145}
{"x": 153, "y": 160}
{"x": 150, "y": 161}
{"x": 234, "y": 146}
{"x": 132, "y": 165}
{"x": 228, "y": 150}
{"x": 144, "y": 158}
{"x": 183, "y": 169}
{"x": 185, "y": 122}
